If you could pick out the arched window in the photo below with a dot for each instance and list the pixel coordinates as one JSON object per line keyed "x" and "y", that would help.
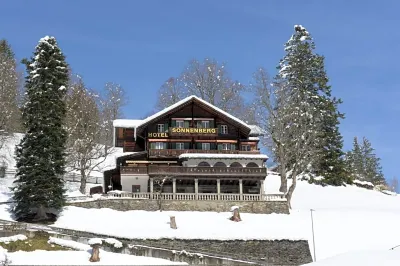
{"x": 219, "y": 164}
{"x": 204, "y": 164}
{"x": 252, "y": 164}
{"x": 236, "y": 164}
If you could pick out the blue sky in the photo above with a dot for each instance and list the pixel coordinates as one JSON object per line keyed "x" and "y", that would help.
{"x": 141, "y": 44}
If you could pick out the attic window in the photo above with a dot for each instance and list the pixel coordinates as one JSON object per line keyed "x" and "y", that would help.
{"x": 224, "y": 129}
{"x": 160, "y": 128}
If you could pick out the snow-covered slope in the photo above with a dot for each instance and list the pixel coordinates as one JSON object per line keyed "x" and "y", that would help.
{"x": 345, "y": 218}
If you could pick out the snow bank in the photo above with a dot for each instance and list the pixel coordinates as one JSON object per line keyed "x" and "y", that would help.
{"x": 9, "y": 239}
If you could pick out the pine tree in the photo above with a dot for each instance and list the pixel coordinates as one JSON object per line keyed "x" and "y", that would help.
{"x": 304, "y": 70}
{"x": 39, "y": 187}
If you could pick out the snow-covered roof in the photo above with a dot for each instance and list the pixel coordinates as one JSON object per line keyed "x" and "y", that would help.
{"x": 222, "y": 155}
{"x": 254, "y": 138}
{"x": 127, "y": 123}
{"x": 256, "y": 130}
{"x": 137, "y": 123}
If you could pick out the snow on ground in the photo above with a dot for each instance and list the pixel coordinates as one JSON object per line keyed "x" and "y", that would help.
{"x": 191, "y": 225}
{"x": 345, "y": 218}
{"x": 7, "y": 151}
{"x": 362, "y": 258}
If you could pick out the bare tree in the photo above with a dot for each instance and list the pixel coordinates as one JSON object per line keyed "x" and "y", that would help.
{"x": 288, "y": 120}
{"x": 9, "y": 93}
{"x": 85, "y": 151}
{"x": 394, "y": 184}
{"x": 169, "y": 93}
{"x": 208, "y": 80}
{"x": 111, "y": 103}
{"x": 160, "y": 185}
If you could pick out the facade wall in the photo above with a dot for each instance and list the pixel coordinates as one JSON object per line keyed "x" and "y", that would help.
{"x": 127, "y": 181}
{"x": 195, "y": 161}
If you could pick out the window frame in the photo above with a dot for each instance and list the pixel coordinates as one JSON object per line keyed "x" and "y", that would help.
{"x": 224, "y": 129}
{"x": 205, "y": 124}
{"x": 205, "y": 144}
{"x": 245, "y": 145}
{"x": 181, "y": 144}
{"x": 160, "y": 126}
{"x": 180, "y": 123}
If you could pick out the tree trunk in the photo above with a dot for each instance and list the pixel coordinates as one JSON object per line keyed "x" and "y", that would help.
{"x": 82, "y": 187}
{"x": 283, "y": 187}
{"x": 41, "y": 214}
{"x": 172, "y": 222}
{"x": 291, "y": 189}
{"x": 95, "y": 253}
{"x": 282, "y": 169}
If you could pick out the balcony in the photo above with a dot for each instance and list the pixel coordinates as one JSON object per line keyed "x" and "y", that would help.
{"x": 194, "y": 171}
{"x": 153, "y": 153}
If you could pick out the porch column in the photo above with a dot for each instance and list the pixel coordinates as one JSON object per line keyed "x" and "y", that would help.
{"x": 151, "y": 187}
{"x": 262, "y": 191}
{"x": 196, "y": 188}
{"x": 174, "y": 186}
{"x": 219, "y": 188}
{"x": 240, "y": 188}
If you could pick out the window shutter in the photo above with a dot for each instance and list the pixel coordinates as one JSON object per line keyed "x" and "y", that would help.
{"x": 199, "y": 125}
{"x": 173, "y": 146}
{"x": 152, "y": 145}
{"x": 233, "y": 147}
{"x": 219, "y": 147}
{"x": 186, "y": 145}
{"x": 198, "y": 146}
{"x": 173, "y": 123}
{"x": 219, "y": 129}
{"x": 186, "y": 123}
{"x": 166, "y": 127}
{"x": 165, "y": 145}
{"x": 212, "y": 146}
{"x": 211, "y": 123}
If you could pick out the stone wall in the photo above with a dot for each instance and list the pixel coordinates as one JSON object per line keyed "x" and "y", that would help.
{"x": 179, "y": 205}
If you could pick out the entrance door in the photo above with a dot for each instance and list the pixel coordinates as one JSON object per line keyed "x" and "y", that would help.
{"x": 135, "y": 188}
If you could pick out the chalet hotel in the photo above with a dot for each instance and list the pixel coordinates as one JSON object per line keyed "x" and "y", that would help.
{"x": 195, "y": 147}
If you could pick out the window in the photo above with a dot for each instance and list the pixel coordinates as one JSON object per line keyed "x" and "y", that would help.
{"x": 245, "y": 148}
{"x": 224, "y": 129}
{"x": 205, "y": 146}
{"x": 180, "y": 146}
{"x": 205, "y": 124}
{"x": 233, "y": 147}
{"x": 160, "y": 128}
{"x": 160, "y": 145}
{"x": 180, "y": 123}
{"x": 225, "y": 146}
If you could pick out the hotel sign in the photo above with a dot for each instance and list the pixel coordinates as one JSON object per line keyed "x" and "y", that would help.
{"x": 182, "y": 131}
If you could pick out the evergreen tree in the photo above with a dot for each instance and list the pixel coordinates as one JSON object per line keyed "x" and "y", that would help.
{"x": 304, "y": 70}
{"x": 39, "y": 187}
{"x": 363, "y": 163}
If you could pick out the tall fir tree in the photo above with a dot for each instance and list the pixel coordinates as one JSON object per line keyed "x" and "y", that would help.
{"x": 39, "y": 187}
{"x": 304, "y": 70}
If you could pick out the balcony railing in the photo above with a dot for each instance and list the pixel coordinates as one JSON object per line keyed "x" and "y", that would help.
{"x": 198, "y": 196}
{"x": 175, "y": 153}
{"x": 194, "y": 171}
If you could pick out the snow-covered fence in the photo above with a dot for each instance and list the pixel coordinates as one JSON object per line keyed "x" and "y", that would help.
{"x": 198, "y": 196}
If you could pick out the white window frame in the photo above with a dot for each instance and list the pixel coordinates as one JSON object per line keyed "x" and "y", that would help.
{"x": 224, "y": 129}
{"x": 160, "y": 128}
{"x": 205, "y": 124}
{"x": 226, "y": 146}
{"x": 205, "y": 146}
{"x": 181, "y": 146}
{"x": 180, "y": 123}
{"x": 245, "y": 147}
{"x": 159, "y": 145}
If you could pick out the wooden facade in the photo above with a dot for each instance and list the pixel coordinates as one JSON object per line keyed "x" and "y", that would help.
{"x": 192, "y": 127}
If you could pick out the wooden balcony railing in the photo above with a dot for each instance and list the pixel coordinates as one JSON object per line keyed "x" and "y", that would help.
{"x": 198, "y": 196}
{"x": 194, "y": 171}
{"x": 153, "y": 153}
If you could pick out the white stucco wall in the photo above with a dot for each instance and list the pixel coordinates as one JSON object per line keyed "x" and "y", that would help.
{"x": 195, "y": 161}
{"x": 128, "y": 180}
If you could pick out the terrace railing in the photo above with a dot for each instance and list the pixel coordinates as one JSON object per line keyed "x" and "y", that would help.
{"x": 198, "y": 196}
{"x": 153, "y": 153}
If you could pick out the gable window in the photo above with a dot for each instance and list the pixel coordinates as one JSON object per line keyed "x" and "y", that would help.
{"x": 245, "y": 147}
{"x": 180, "y": 146}
{"x": 205, "y": 146}
{"x": 160, "y": 128}
{"x": 205, "y": 124}
{"x": 180, "y": 123}
{"x": 224, "y": 129}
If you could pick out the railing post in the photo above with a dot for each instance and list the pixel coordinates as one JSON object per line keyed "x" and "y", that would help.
{"x": 262, "y": 191}
{"x": 173, "y": 187}
{"x": 196, "y": 188}
{"x": 219, "y": 188}
{"x": 151, "y": 187}
{"x": 240, "y": 189}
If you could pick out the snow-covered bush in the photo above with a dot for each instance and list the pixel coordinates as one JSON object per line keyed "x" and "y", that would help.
{"x": 4, "y": 259}
{"x": 114, "y": 244}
